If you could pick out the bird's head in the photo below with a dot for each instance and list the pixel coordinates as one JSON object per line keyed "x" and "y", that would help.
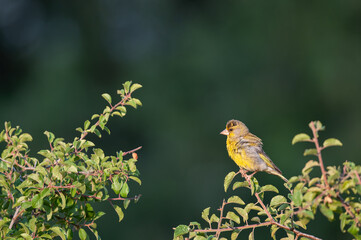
{"x": 235, "y": 129}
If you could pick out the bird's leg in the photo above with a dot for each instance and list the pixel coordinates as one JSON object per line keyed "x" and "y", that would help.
{"x": 244, "y": 174}
{"x": 250, "y": 176}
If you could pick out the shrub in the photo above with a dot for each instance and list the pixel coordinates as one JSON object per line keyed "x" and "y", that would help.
{"x": 333, "y": 191}
{"x": 53, "y": 195}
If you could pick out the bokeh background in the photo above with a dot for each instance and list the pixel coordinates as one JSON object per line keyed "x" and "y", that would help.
{"x": 275, "y": 65}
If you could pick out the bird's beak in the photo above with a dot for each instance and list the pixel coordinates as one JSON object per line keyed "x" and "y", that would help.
{"x": 225, "y": 132}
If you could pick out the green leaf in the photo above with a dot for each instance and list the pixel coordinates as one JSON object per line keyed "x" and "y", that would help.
{"x": 240, "y": 184}
{"x": 82, "y": 234}
{"x": 72, "y": 169}
{"x": 86, "y": 124}
{"x": 199, "y": 237}
{"x": 125, "y": 190}
{"x": 32, "y": 225}
{"x": 228, "y": 179}
{"x": 122, "y": 109}
{"x": 214, "y": 218}
{"x": 126, "y": 86}
{"x": 25, "y": 137}
{"x": 256, "y": 219}
{"x": 132, "y": 103}
{"x": 254, "y": 185}
{"x": 58, "y": 232}
{"x": 126, "y": 203}
{"x": 235, "y": 199}
{"x": 293, "y": 179}
{"x": 326, "y": 212}
{"x": 63, "y": 200}
{"x": 347, "y": 184}
{"x": 94, "y": 116}
{"x": 297, "y": 198}
{"x": 310, "y": 151}
{"x": 343, "y": 221}
{"x": 231, "y": 215}
{"x": 26, "y": 236}
{"x": 234, "y": 235}
{"x": 181, "y": 230}
{"x": 107, "y": 97}
{"x": 205, "y": 214}
{"x": 37, "y": 201}
{"x": 131, "y": 164}
{"x": 269, "y": 188}
{"x": 302, "y": 137}
{"x": 309, "y": 164}
{"x": 137, "y": 101}
{"x": 242, "y": 212}
{"x": 45, "y": 192}
{"x": 358, "y": 189}
{"x": 332, "y": 142}
{"x": 96, "y": 131}
{"x": 318, "y": 125}
{"x": 353, "y": 229}
{"x": 251, "y": 236}
{"x": 119, "y": 211}
{"x": 98, "y": 215}
{"x": 274, "y": 229}
{"x": 135, "y": 86}
{"x": 116, "y": 185}
{"x": 56, "y": 173}
{"x": 89, "y": 210}
{"x": 277, "y": 200}
{"x": 50, "y": 136}
{"x": 136, "y": 179}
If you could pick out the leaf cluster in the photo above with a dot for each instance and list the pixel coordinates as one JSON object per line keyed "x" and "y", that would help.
{"x": 336, "y": 192}
{"x": 333, "y": 191}
{"x": 54, "y": 194}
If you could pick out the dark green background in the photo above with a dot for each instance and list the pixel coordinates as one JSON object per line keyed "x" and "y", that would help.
{"x": 275, "y": 65}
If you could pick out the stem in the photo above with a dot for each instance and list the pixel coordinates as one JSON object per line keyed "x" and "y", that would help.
{"x": 16, "y": 215}
{"x": 319, "y": 155}
{"x": 131, "y": 151}
{"x": 220, "y": 219}
{"x": 233, "y": 228}
{"x": 122, "y": 102}
{"x": 271, "y": 219}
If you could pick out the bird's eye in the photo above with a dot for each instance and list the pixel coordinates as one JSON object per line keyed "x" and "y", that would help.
{"x": 231, "y": 129}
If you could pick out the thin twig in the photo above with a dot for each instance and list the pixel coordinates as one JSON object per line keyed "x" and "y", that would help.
{"x": 319, "y": 155}
{"x": 220, "y": 219}
{"x": 271, "y": 220}
{"x": 16, "y": 215}
{"x": 131, "y": 151}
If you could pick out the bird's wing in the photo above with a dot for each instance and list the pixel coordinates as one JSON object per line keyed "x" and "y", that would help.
{"x": 251, "y": 139}
{"x": 268, "y": 161}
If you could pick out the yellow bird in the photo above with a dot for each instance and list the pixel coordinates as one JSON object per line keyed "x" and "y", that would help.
{"x": 246, "y": 151}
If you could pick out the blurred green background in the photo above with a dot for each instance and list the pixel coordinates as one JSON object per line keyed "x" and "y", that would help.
{"x": 275, "y": 65}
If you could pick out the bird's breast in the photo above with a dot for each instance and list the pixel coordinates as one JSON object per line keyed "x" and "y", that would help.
{"x": 240, "y": 155}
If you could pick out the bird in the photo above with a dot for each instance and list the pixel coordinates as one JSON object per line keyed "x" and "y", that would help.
{"x": 245, "y": 149}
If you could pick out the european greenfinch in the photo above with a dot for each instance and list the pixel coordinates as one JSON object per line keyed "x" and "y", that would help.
{"x": 246, "y": 151}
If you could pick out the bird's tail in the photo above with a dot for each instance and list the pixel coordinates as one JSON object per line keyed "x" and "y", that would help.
{"x": 279, "y": 174}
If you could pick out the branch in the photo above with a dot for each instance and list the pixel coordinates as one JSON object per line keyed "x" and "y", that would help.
{"x": 271, "y": 219}
{"x": 131, "y": 151}
{"x": 220, "y": 219}
{"x": 319, "y": 149}
{"x": 122, "y": 102}
{"x": 233, "y": 228}
{"x": 16, "y": 215}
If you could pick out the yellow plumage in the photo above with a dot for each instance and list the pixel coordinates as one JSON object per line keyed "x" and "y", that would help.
{"x": 246, "y": 151}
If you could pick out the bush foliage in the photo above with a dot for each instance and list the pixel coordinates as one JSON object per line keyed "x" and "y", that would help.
{"x": 334, "y": 191}
{"x": 53, "y": 194}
